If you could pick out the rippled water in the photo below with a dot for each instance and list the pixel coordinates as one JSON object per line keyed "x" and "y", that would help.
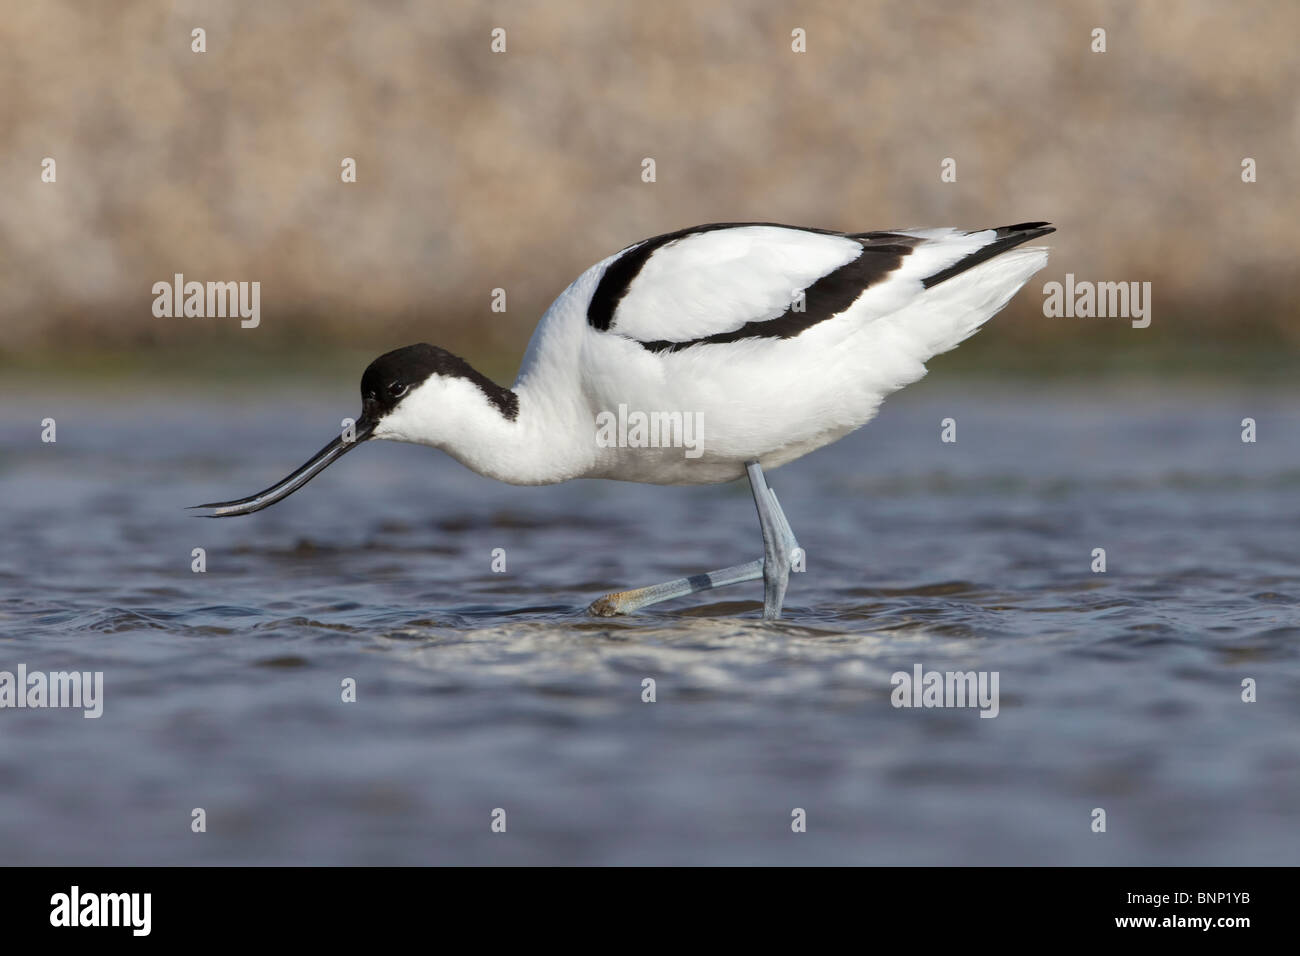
{"x": 479, "y": 691}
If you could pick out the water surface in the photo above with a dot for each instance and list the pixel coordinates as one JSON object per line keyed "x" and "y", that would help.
{"x": 479, "y": 690}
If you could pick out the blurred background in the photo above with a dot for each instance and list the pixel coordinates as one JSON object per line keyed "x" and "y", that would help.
{"x": 517, "y": 170}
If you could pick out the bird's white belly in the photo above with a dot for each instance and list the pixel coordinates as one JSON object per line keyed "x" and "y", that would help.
{"x": 672, "y": 466}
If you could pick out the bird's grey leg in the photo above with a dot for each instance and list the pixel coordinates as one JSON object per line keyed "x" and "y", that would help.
{"x": 780, "y": 550}
{"x": 625, "y": 602}
{"x": 779, "y": 545}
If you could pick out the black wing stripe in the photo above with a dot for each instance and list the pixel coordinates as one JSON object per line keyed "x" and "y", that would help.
{"x": 616, "y": 281}
{"x": 1008, "y": 238}
{"x": 828, "y": 296}
{"x": 885, "y": 238}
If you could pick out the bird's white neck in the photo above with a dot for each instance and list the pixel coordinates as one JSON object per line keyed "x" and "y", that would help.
{"x": 521, "y": 436}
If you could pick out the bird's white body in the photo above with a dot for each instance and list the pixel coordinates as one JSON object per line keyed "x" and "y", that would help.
{"x": 763, "y": 397}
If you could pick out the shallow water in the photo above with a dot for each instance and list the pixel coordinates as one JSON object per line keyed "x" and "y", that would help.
{"x": 479, "y": 690}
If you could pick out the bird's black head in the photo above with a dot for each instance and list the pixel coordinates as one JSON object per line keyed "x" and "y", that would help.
{"x": 394, "y": 375}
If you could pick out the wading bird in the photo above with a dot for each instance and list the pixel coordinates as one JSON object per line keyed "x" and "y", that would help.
{"x": 779, "y": 340}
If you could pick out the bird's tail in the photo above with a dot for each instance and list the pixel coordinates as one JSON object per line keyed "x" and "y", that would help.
{"x": 962, "y": 280}
{"x": 962, "y": 296}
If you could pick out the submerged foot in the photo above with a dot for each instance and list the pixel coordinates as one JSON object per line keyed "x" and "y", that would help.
{"x": 611, "y": 605}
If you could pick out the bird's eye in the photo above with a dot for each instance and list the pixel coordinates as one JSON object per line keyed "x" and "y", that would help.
{"x": 397, "y": 389}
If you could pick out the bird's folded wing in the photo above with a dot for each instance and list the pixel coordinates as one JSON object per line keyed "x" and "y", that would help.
{"x": 730, "y": 281}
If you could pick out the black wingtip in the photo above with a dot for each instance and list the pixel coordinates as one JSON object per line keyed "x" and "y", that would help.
{"x": 1025, "y": 227}
{"x": 1007, "y": 237}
